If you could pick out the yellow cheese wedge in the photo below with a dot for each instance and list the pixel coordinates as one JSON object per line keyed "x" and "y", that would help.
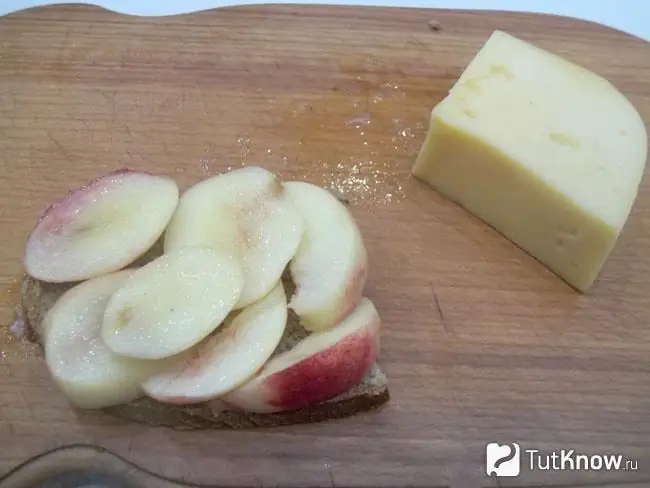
{"x": 546, "y": 152}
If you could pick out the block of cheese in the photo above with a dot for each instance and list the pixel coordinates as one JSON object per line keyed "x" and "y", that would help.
{"x": 544, "y": 151}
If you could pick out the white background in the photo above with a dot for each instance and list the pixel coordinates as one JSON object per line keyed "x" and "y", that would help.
{"x": 631, "y": 16}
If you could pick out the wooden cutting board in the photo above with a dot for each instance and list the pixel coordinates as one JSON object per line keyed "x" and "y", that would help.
{"x": 480, "y": 342}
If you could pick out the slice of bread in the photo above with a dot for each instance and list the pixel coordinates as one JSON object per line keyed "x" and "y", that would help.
{"x": 38, "y": 297}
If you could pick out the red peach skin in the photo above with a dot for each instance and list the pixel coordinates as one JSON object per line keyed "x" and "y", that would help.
{"x": 318, "y": 368}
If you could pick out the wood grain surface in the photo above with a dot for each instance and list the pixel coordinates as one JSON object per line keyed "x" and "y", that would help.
{"x": 480, "y": 342}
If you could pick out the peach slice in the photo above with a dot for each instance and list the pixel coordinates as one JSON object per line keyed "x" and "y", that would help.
{"x": 101, "y": 227}
{"x": 85, "y": 370}
{"x": 243, "y": 213}
{"x": 330, "y": 266}
{"x": 228, "y": 358}
{"x": 321, "y": 366}
{"x": 172, "y": 303}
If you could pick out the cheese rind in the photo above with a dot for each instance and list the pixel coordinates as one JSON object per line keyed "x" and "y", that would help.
{"x": 546, "y": 152}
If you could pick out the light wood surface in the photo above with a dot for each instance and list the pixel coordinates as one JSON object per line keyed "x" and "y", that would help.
{"x": 480, "y": 342}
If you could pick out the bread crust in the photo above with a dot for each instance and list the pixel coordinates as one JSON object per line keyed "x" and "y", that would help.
{"x": 38, "y": 297}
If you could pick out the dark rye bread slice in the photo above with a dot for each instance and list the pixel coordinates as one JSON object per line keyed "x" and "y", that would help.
{"x": 38, "y": 297}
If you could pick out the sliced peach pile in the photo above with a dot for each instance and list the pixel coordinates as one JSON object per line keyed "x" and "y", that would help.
{"x": 203, "y": 321}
